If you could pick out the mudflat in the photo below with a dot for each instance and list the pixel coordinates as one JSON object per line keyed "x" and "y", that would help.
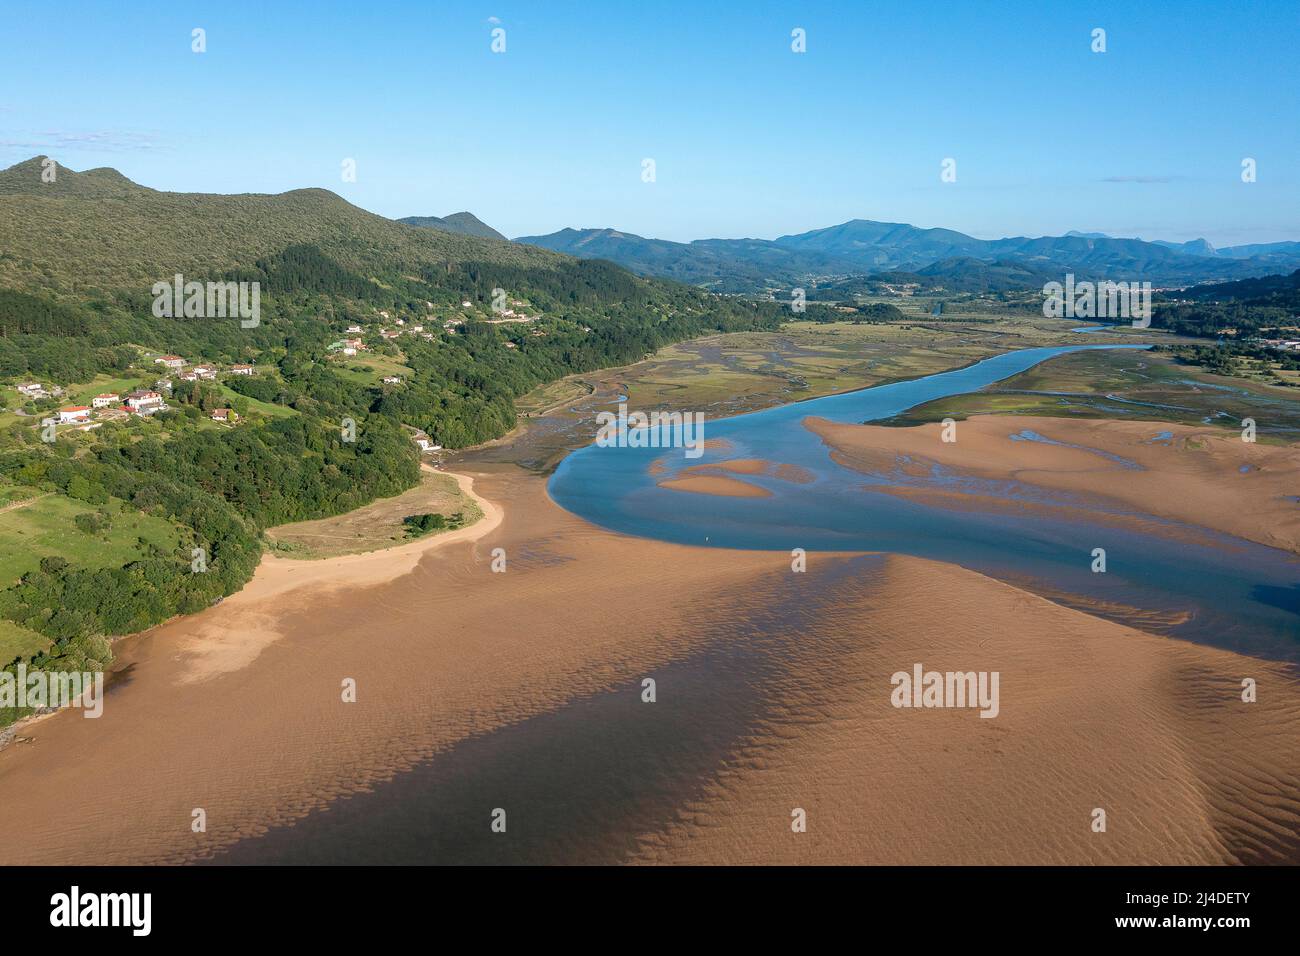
{"x": 1201, "y": 476}
{"x": 786, "y": 679}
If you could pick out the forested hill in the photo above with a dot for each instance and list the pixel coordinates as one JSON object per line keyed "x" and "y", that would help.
{"x": 97, "y": 231}
{"x": 449, "y": 329}
{"x": 462, "y": 222}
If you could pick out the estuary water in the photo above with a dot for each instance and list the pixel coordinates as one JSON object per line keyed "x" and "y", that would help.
{"x": 1198, "y": 585}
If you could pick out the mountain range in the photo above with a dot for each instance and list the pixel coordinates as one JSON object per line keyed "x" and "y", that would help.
{"x": 862, "y": 247}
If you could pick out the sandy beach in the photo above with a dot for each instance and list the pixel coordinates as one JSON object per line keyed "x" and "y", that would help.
{"x": 1201, "y": 476}
{"x": 774, "y": 693}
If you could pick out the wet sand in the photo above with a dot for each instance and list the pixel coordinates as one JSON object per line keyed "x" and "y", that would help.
{"x": 524, "y": 688}
{"x": 716, "y": 478}
{"x": 715, "y": 485}
{"x": 1201, "y": 476}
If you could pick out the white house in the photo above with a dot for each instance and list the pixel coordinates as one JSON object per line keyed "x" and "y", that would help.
{"x": 144, "y": 402}
{"x": 74, "y": 413}
{"x": 239, "y": 369}
{"x": 170, "y": 361}
{"x": 427, "y": 445}
{"x": 32, "y": 389}
{"x": 348, "y": 350}
{"x": 204, "y": 371}
{"x": 105, "y": 399}
{"x": 392, "y": 380}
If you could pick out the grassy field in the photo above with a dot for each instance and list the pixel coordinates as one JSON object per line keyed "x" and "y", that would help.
{"x": 82, "y": 394}
{"x": 16, "y": 641}
{"x": 370, "y": 367}
{"x": 377, "y": 525}
{"x": 35, "y": 525}
{"x": 255, "y": 405}
{"x": 1126, "y": 385}
{"x": 43, "y": 525}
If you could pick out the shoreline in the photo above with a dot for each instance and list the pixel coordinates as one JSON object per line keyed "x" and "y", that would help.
{"x": 276, "y": 576}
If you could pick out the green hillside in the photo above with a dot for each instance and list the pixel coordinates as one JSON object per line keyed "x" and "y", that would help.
{"x": 96, "y": 231}
{"x": 78, "y": 261}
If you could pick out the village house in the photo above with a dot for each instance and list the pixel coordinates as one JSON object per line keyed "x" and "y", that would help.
{"x": 240, "y": 369}
{"x": 426, "y": 444}
{"x": 392, "y": 380}
{"x": 348, "y": 350}
{"x": 74, "y": 413}
{"x": 204, "y": 371}
{"x": 170, "y": 361}
{"x": 105, "y": 399}
{"x": 32, "y": 390}
{"x": 144, "y": 402}
{"x": 224, "y": 415}
{"x": 388, "y": 334}
{"x": 354, "y": 329}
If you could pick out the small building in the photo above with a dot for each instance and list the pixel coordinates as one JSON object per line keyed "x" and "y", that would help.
{"x": 392, "y": 380}
{"x": 354, "y": 329}
{"x": 32, "y": 390}
{"x": 240, "y": 369}
{"x": 144, "y": 402}
{"x": 348, "y": 350}
{"x": 74, "y": 413}
{"x": 204, "y": 371}
{"x": 426, "y": 444}
{"x": 224, "y": 415}
{"x": 105, "y": 399}
{"x": 170, "y": 361}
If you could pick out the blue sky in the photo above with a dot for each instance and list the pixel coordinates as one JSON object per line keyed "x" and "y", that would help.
{"x": 748, "y": 138}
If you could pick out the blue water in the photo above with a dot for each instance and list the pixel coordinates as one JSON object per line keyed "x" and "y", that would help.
{"x": 1239, "y": 595}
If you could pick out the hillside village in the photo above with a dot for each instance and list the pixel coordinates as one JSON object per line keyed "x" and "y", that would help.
{"x": 376, "y": 344}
